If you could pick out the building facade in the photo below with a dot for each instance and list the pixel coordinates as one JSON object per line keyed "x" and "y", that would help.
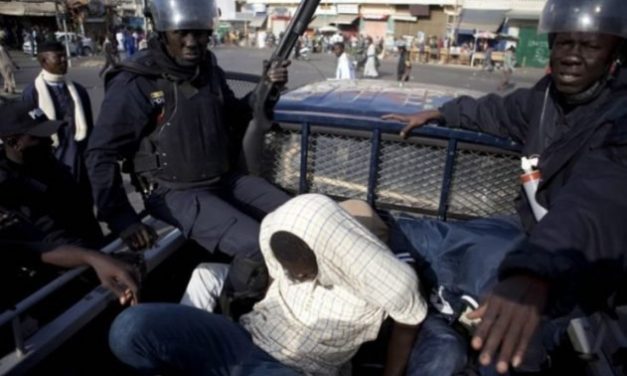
{"x": 455, "y": 20}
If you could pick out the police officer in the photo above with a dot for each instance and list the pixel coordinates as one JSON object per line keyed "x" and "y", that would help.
{"x": 44, "y": 215}
{"x": 571, "y": 125}
{"x": 169, "y": 114}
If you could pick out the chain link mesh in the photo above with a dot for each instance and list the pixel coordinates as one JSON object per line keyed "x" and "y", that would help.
{"x": 484, "y": 184}
{"x": 281, "y": 158}
{"x": 338, "y": 165}
{"x": 240, "y": 86}
{"x": 410, "y": 175}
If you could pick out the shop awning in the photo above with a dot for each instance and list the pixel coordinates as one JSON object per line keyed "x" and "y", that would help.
{"x": 418, "y": 10}
{"x": 321, "y": 21}
{"x": 481, "y": 19}
{"x": 14, "y": 8}
{"x": 344, "y": 19}
{"x": 403, "y": 17}
{"x": 523, "y": 15}
{"x": 258, "y": 22}
{"x": 375, "y": 17}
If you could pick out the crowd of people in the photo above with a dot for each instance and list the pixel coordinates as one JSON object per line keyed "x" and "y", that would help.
{"x": 324, "y": 275}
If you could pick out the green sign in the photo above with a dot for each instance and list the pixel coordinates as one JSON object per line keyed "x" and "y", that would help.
{"x": 533, "y": 49}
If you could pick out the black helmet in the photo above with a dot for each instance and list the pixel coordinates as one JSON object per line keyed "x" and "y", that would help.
{"x": 168, "y": 15}
{"x": 594, "y": 16}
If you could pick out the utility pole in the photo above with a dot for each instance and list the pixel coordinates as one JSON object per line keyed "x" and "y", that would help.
{"x": 62, "y": 16}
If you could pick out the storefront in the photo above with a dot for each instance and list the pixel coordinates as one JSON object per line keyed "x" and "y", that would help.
{"x": 532, "y": 49}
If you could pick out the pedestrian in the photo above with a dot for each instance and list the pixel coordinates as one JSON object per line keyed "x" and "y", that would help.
{"x": 120, "y": 38}
{"x": 170, "y": 116}
{"x": 370, "y": 69}
{"x": 110, "y": 50}
{"x": 488, "y": 64}
{"x": 333, "y": 285}
{"x": 129, "y": 43}
{"x": 566, "y": 246}
{"x": 403, "y": 69}
{"x": 63, "y": 99}
{"x": 508, "y": 68}
{"x": 345, "y": 68}
{"x": 53, "y": 220}
{"x": 7, "y": 68}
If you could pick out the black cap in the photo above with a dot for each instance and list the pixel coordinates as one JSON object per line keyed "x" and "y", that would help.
{"x": 50, "y": 47}
{"x": 25, "y": 118}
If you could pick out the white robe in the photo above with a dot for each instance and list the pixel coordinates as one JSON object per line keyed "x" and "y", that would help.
{"x": 370, "y": 70}
{"x": 345, "y": 69}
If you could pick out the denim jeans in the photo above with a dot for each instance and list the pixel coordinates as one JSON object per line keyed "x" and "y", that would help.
{"x": 456, "y": 259}
{"x": 176, "y": 339}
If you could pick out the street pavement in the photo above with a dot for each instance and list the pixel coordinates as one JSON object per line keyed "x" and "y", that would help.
{"x": 319, "y": 67}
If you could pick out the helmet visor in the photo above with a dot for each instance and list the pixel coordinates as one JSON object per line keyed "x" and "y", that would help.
{"x": 592, "y": 16}
{"x": 168, "y": 15}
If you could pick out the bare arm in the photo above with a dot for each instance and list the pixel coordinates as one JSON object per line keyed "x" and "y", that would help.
{"x": 115, "y": 275}
{"x": 399, "y": 348}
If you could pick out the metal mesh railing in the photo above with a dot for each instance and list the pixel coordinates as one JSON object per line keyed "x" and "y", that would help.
{"x": 338, "y": 165}
{"x": 241, "y": 83}
{"x": 410, "y": 175}
{"x": 282, "y": 159}
{"x": 484, "y": 183}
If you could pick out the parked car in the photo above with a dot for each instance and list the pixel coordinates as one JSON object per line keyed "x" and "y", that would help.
{"x": 80, "y": 45}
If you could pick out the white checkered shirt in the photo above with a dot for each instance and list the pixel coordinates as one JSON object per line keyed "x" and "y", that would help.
{"x": 317, "y": 326}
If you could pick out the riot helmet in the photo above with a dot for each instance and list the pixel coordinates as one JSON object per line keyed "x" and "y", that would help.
{"x": 169, "y": 15}
{"x": 593, "y": 16}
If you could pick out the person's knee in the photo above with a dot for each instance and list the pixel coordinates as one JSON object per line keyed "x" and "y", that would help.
{"x": 127, "y": 331}
{"x": 441, "y": 352}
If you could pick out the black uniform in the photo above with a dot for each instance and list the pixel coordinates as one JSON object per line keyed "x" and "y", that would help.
{"x": 41, "y": 208}
{"x": 46, "y": 196}
{"x": 581, "y": 242}
{"x": 174, "y": 128}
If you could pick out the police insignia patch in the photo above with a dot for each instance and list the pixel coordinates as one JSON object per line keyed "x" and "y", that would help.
{"x": 157, "y": 98}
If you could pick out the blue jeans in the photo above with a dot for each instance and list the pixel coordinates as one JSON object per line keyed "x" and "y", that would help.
{"x": 455, "y": 259}
{"x": 176, "y": 339}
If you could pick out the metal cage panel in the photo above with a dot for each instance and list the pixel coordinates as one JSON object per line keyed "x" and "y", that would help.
{"x": 410, "y": 175}
{"x": 484, "y": 183}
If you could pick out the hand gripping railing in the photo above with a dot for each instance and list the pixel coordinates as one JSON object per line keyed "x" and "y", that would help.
{"x": 29, "y": 351}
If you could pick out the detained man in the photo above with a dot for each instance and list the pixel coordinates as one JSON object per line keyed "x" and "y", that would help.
{"x": 333, "y": 284}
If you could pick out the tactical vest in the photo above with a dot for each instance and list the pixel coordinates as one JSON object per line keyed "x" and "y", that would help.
{"x": 187, "y": 144}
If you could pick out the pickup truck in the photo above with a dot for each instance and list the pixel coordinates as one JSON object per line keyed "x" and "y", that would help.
{"x": 327, "y": 138}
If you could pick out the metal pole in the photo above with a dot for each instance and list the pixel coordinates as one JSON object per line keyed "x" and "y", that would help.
{"x": 67, "y": 43}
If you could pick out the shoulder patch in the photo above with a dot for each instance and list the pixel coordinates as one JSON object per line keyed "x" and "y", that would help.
{"x": 157, "y": 98}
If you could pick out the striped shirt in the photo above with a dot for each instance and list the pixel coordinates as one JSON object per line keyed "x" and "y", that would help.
{"x": 317, "y": 326}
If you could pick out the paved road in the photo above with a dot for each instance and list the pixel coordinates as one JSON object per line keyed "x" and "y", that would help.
{"x": 319, "y": 67}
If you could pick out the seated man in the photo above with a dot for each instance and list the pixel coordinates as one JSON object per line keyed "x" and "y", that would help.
{"x": 46, "y": 216}
{"x": 205, "y": 287}
{"x": 568, "y": 245}
{"x": 333, "y": 284}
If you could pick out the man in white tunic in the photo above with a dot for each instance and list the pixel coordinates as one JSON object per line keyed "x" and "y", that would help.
{"x": 345, "y": 69}
{"x": 370, "y": 70}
